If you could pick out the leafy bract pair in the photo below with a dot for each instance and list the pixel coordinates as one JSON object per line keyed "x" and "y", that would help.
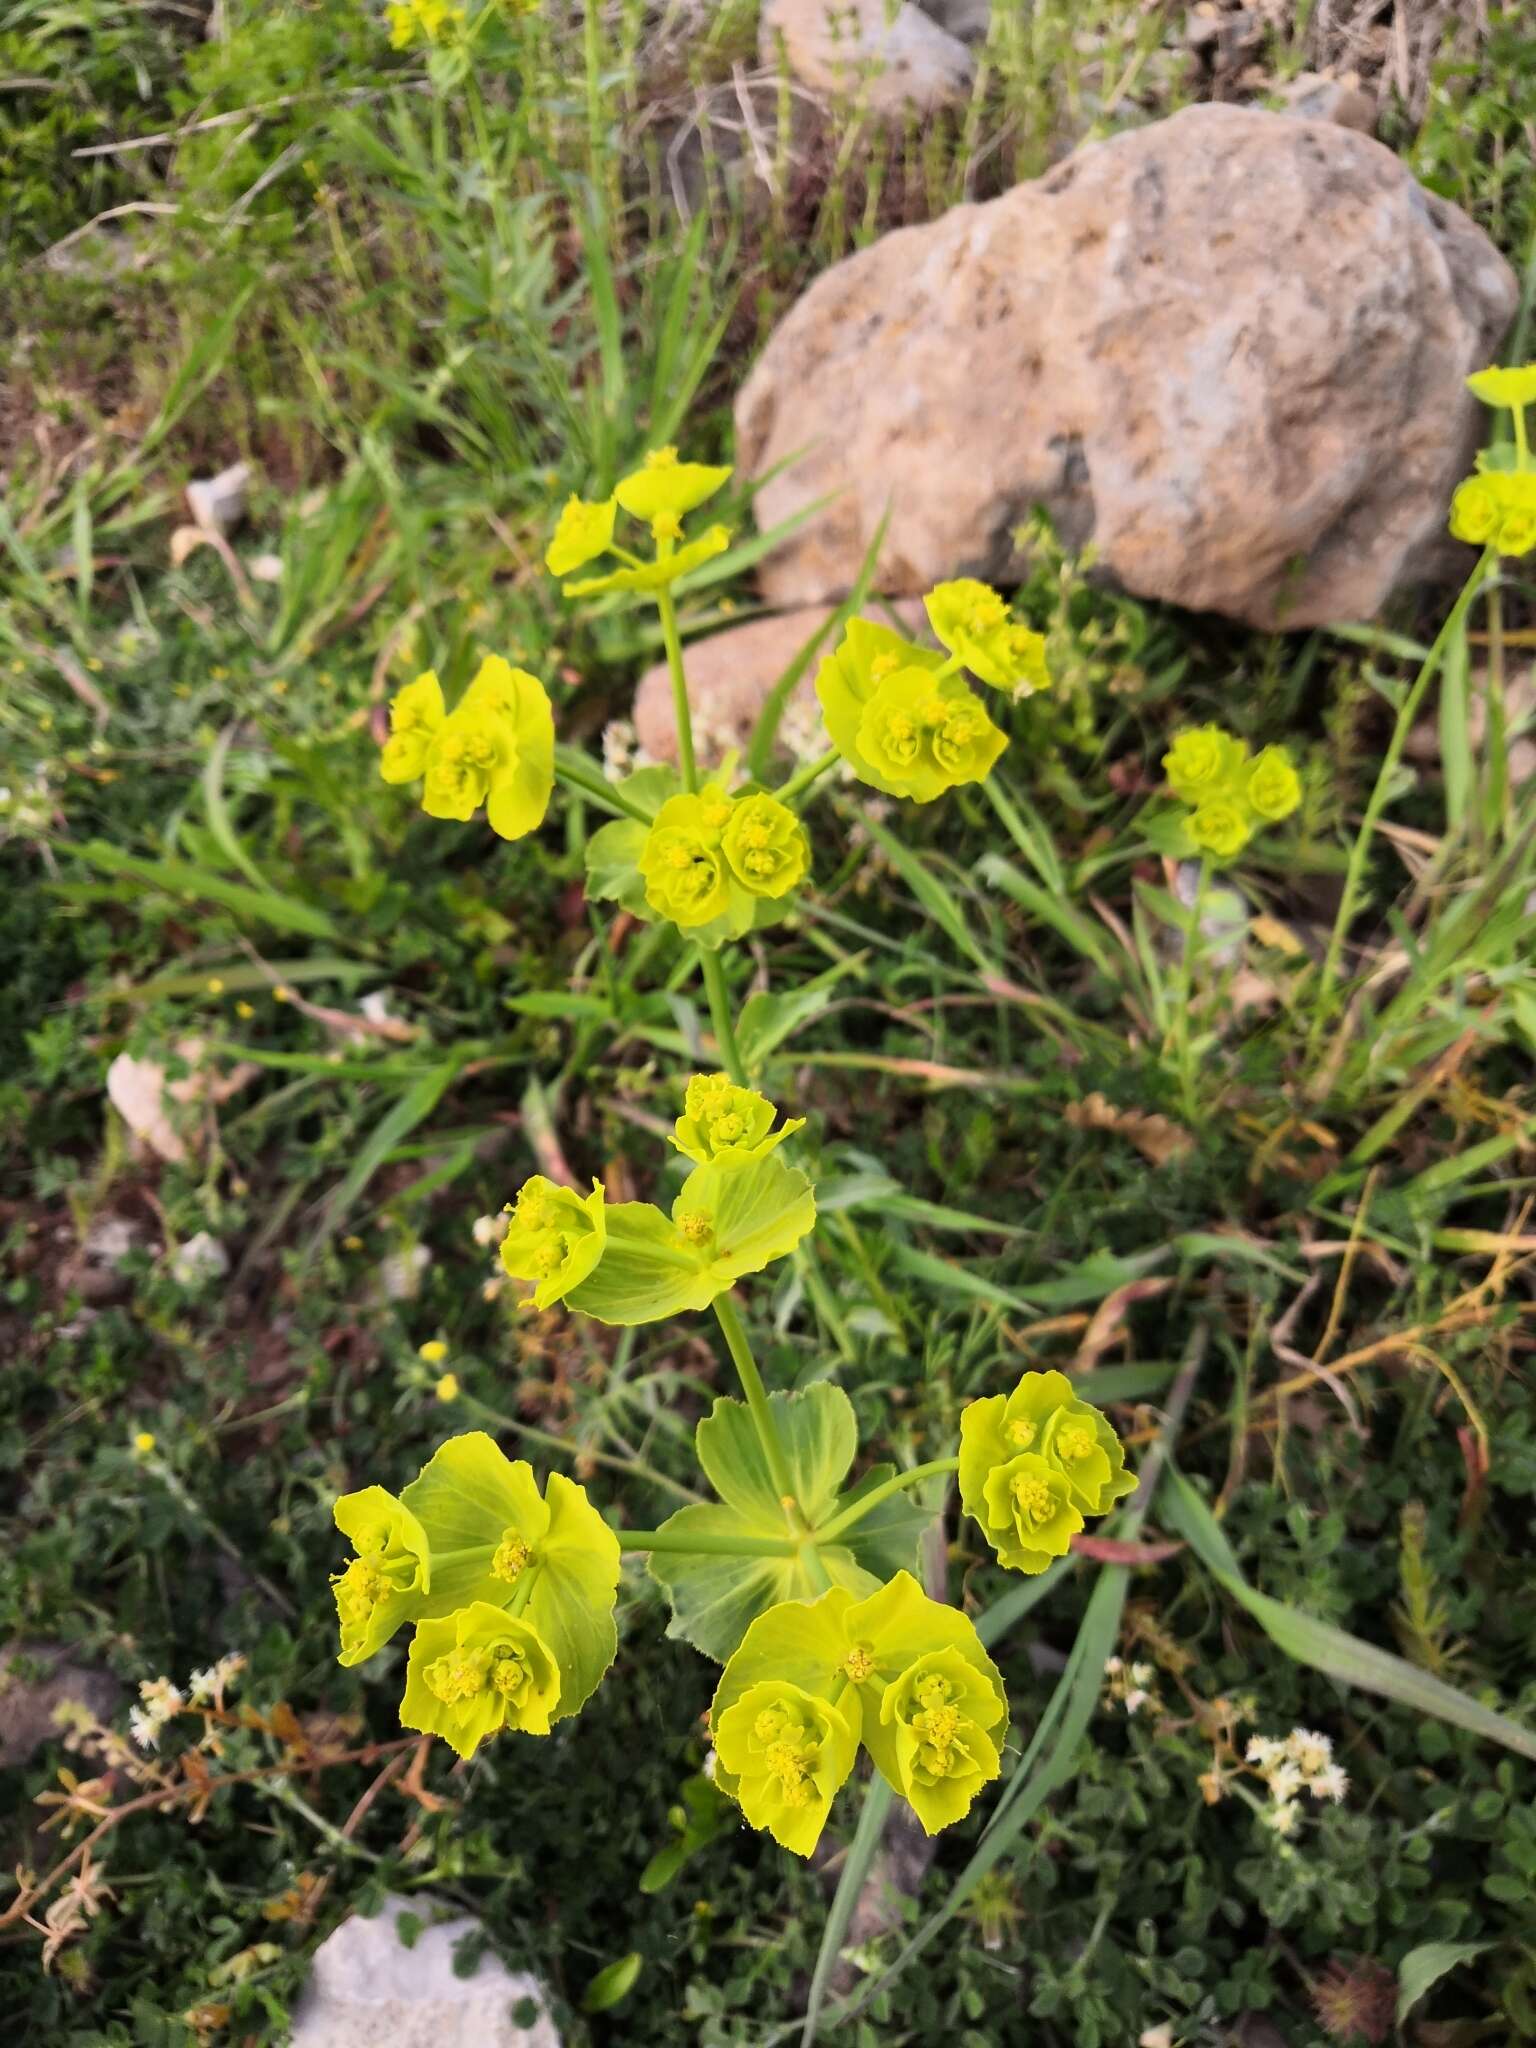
{"x": 1230, "y": 795}
{"x": 811, "y": 1680}
{"x": 512, "y": 1592}
{"x": 496, "y": 747}
{"x": 631, "y": 1262}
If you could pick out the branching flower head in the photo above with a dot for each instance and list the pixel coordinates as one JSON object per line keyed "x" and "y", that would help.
{"x": 783, "y": 1753}
{"x": 1271, "y": 787}
{"x": 1229, "y": 794}
{"x": 476, "y": 1672}
{"x": 1203, "y": 762}
{"x": 1033, "y": 1463}
{"x": 899, "y": 724}
{"x": 906, "y": 1673}
{"x": 660, "y": 492}
{"x": 388, "y": 1580}
{"x": 555, "y": 1237}
{"x": 496, "y": 748}
{"x": 974, "y": 623}
{"x": 723, "y": 1125}
{"x": 497, "y": 1542}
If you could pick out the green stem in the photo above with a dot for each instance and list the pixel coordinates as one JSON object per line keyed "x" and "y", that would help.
{"x": 713, "y": 970}
{"x": 1178, "y": 1034}
{"x": 757, "y": 1398}
{"x": 681, "y": 713}
{"x": 589, "y": 781}
{"x": 803, "y": 778}
{"x": 1522, "y": 453}
{"x": 705, "y": 1546}
{"x": 1381, "y": 795}
{"x": 522, "y": 1592}
{"x": 830, "y": 1531}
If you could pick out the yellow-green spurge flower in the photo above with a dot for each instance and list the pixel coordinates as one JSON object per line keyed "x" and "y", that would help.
{"x": 710, "y": 859}
{"x": 901, "y": 723}
{"x": 659, "y": 492}
{"x": 512, "y": 1592}
{"x": 1230, "y": 794}
{"x": 1033, "y": 1464}
{"x": 812, "y": 1679}
{"x": 631, "y": 1262}
{"x": 496, "y": 747}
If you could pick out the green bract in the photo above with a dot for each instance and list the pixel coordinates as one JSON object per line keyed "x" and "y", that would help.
{"x": 905, "y": 1672}
{"x": 1511, "y": 385}
{"x": 716, "y": 865}
{"x": 973, "y": 622}
{"x": 727, "y": 1221}
{"x": 724, "y": 1125}
{"x": 415, "y": 717}
{"x": 662, "y": 485}
{"x": 555, "y": 1237}
{"x": 715, "y": 1597}
{"x": 683, "y": 859}
{"x": 495, "y": 1543}
{"x": 476, "y": 1672}
{"x": 387, "y": 1581}
{"x": 1222, "y": 826}
{"x": 1033, "y": 1463}
{"x": 1272, "y": 788}
{"x": 783, "y": 1755}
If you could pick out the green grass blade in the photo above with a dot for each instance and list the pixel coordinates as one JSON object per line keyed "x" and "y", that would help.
{"x": 878, "y": 1801}
{"x": 409, "y": 1109}
{"x": 220, "y": 823}
{"x": 183, "y": 879}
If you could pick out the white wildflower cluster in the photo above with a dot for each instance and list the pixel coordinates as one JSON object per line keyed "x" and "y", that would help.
{"x": 1299, "y": 1762}
{"x": 29, "y": 810}
{"x": 1131, "y": 1685}
{"x": 160, "y": 1701}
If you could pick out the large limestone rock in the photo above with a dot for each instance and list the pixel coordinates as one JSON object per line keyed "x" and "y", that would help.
{"x": 369, "y": 1989}
{"x": 892, "y": 57}
{"x": 1228, "y": 348}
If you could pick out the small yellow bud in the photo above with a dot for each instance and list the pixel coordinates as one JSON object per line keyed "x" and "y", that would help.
{"x": 282, "y": 993}
{"x": 351, "y": 1244}
{"x": 447, "y": 1388}
{"x": 434, "y": 1351}
{"x": 245, "y": 1010}
{"x": 143, "y": 1443}
{"x": 215, "y": 986}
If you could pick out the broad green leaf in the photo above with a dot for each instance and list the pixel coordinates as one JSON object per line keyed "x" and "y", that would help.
{"x": 766, "y": 1021}
{"x": 820, "y": 1435}
{"x": 613, "y": 866}
{"x": 708, "y": 1813}
{"x": 715, "y": 1598}
{"x": 1326, "y": 1648}
{"x": 1423, "y": 1967}
{"x": 613, "y": 1983}
{"x": 726, "y": 1222}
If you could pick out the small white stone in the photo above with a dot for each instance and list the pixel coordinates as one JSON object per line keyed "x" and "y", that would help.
{"x": 217, "y": 503}
{"x": 369, "y": 1990}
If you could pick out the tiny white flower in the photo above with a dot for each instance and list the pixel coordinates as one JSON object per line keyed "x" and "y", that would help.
{"x": 1263, "y": 1751}
{"x": 1141, "y": 1674}
{"x": 618, "y": 748}
{"x": 1160, "y": 2036}
{"x": 202, "y": 1686}
{"x": 1330, "y": 1784}
{"x": 1284, "y": 1817}
{"x": 1113, "y": 1667}
{"x": 1136, "y": 1698}
{"x": 1311, "y": 1751}
{"x": 489, "y": 1230}
{"x": 144, "y": 1728}
{"x": 1284, "y": 1783}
